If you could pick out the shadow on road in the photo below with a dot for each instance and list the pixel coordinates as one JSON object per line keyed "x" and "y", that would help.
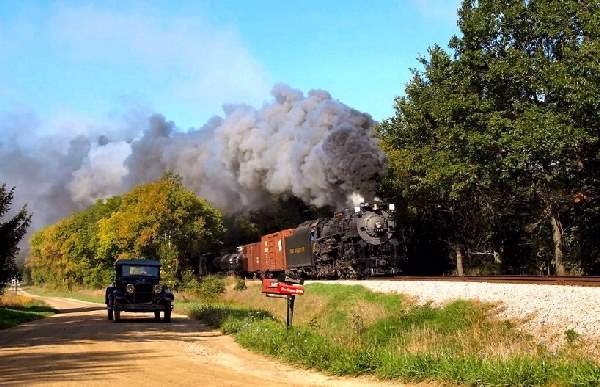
{"x": 81, "y": 309}
{"x": 78, "y": 343}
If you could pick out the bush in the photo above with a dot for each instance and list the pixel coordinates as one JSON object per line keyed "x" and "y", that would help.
{"x": 209, "y": 288}
{"x": 240, "y": 285}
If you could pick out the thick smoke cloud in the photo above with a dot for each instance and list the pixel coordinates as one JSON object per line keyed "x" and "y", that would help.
{"x": 312, "y": 147}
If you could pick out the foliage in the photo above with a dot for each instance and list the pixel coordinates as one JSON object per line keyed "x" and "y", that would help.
{"x": 211, "y": 287}
{"x": 12, "y": 231}
{"x": 348, "y": 330}
{"x": 496, "y": 143}
{"x": 240, "y": 284}
{"x": 159, "y": 220}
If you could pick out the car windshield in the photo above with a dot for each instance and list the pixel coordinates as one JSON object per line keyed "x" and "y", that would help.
{"x": 145, "y": 271}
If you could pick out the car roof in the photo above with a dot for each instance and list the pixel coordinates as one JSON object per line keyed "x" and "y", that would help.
{"x": 144, "y": 262}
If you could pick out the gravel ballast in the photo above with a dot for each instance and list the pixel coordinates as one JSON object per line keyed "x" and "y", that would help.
{"x": 547, "y": 310}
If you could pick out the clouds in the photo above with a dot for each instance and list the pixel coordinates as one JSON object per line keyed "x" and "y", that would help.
{"x": 91, "y": 54}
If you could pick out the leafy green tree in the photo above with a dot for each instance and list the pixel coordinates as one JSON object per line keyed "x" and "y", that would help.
{"x": 511, "y": 116}
{"x": 12, "y": 231}
{"x": 159, "y": 220}
{"x": 162, "y": 220}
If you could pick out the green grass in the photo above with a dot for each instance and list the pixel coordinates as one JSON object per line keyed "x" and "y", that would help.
{"x": 348, "y": 330}
{"x": 15, "y": 310}
{"x": 80, "y": 294}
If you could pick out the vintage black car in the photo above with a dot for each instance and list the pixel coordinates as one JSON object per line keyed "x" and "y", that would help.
{"x": 137, "y": 288}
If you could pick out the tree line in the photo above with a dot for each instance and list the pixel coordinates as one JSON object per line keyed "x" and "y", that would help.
{"x": 493, "y": 150}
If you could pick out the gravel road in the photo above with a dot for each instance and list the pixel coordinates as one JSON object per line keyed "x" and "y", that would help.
{"x": 548, "y": 309}
{"x": 79, "y": 346}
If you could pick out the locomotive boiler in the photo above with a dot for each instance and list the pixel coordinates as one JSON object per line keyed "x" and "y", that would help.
{"x": 355, "y": 243}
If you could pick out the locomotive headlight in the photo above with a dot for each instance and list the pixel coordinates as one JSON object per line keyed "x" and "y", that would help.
{"x": 357, "y": 209}
{"x": 392, "y": 207}
{"x": 157, "y": 288}
{"x": 130, "y": 288}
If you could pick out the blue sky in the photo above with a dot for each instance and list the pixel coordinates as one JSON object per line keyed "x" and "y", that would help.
{"x": 90, "y": 61}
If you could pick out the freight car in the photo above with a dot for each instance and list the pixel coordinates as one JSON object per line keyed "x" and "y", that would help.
{"x": 355, "y": 243}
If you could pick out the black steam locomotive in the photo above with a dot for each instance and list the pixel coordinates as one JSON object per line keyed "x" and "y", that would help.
{"x": 355, "y": 243}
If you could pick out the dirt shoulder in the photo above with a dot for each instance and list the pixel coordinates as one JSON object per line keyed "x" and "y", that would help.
{"x": 79, "y": 346}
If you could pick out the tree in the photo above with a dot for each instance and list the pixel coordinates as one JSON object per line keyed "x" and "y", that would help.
{"x": 159, "y": 220}
{"x": 11, "y": 232}
{"x": 508, "y": 120}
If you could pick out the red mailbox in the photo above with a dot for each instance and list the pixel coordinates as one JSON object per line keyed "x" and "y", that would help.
{"x": 274, "y": 286}
{"x": 287, "y": 289}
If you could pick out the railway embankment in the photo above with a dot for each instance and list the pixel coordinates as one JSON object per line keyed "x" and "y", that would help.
{"x": 351, "y": 330}
{"x": 552, "y": 313}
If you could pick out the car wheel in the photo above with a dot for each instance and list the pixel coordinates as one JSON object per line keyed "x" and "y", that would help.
{"x": 110, "y": 314}
{"x": 156, "y": 315}
{"x": 167, "y": 317}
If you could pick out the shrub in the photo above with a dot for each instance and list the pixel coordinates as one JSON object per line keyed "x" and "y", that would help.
{"x": 210, "y": 288}
{"x": 240, "y": 285}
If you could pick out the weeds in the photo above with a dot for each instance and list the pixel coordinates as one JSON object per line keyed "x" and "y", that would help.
{"x": 240, "y": 285}
{"x": 351, "y": 331}
{"x": 571, "y": 336}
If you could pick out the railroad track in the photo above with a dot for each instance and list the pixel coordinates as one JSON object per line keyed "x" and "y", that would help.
{"x": 510, "y": 279}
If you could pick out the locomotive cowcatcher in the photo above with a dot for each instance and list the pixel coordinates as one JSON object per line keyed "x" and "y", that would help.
{"x": 137, "y": 288}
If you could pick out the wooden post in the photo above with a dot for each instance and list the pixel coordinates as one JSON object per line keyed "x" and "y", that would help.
{"x": 290, "y": 310}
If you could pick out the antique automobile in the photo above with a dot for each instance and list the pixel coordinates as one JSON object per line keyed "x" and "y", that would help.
{"x": 137, "y": 288}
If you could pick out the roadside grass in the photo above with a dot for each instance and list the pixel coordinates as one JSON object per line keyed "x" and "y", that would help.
{"x": 17, "y": 309}
{"x": 349, "y": 330}
{"x": 89, "y": 295}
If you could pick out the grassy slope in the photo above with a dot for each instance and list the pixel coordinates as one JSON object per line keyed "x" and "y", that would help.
{"x": 15, "y": 310}
{"x": 80, "y": 294}
{"x": 350, "y": 330}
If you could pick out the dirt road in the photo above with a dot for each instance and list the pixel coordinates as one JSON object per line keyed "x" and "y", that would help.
{"x": 78, "y": 346}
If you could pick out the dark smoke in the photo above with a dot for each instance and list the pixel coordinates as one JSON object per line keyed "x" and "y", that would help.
{"x": 312, "y": 147}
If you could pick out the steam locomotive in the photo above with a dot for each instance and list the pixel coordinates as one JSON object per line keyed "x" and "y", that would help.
{"x": 356, "y": 243}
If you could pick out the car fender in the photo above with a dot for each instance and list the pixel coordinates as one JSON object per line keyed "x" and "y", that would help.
{"x": 108, "y": 294}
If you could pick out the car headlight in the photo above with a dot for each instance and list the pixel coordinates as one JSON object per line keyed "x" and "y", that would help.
{"x": 158, "y": 288}
{"x": 130, "y": 288}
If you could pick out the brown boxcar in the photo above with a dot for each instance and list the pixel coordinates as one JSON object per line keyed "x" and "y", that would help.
{"x": 252, "y": 253}
{"x": 273, "y": 251}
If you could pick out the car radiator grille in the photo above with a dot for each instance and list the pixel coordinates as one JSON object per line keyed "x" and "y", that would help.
{"x": 143, "y": 293}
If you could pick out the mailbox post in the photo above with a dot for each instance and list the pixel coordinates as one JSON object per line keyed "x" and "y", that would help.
{"x": 288, "y": 289}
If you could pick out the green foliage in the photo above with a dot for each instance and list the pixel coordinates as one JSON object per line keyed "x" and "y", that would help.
{"x": 12, "y": 231}
{"x": 159, "y": 220}
{"x": 457, "y": 343}
{"x": 502, "y": 132}
{"x": 240, "y": 285}
{"x": 208, "y": 289}
{"x": 571, "y": 336}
